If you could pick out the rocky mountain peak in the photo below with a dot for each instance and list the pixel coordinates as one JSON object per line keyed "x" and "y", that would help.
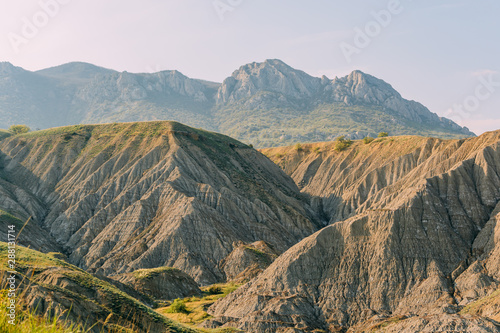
{"x": 272, "y": 75}
{"x": 365, "y": 88}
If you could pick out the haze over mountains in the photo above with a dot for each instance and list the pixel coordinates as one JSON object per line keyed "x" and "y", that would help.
{"x": 266, "y": 104}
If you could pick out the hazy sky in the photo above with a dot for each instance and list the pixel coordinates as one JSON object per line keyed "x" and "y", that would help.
{"x": 444, "y": 54}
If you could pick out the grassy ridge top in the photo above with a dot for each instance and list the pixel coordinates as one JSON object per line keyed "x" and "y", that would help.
{"x": 301, "y": 161}
{"x": 399, "y": 145}
{"x": 384, "y": 148}
{"x": 114, "y": 137}
{"x": 145, "y": 128}
{"x": 28, "y": 258}
{"x": 149, "y": 273}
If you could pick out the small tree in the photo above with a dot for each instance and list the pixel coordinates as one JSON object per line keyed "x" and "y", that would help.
{"x": 383, "y": 134}
{"x": 19, "y": 129}
{"x": 178, "y": 306}
{"x": 341, "y": 143}
{"x": 368, "y": 140}
{"x": 298, "y": 147}
{"x": 214, "y": 290}
{"x": 340, "y": 138}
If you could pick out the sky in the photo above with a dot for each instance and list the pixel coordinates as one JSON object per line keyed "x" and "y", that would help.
{"x": 443, "y": 54}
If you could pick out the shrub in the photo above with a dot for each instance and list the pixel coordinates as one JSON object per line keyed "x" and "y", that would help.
{"x": 278, "y": 155}
{"x": 19, "y": 129}
{"x": 214, "y": 290}
{"x": 383, "y": 134}
{"x": 342, "y": 143}
{"x": 368, "y": 140}
{"x": 178, "y": 306}
{"x": 298, "y": 147}
{"x": 317, "y": 150}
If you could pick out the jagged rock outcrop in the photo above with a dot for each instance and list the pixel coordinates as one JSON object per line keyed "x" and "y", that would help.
{"x": 162, "y": 283}
{"x": 361, "y": 88}
{"x": 122, "y": 197}
{"x": 248, "y": 260}
{"x": 270, "y": 76}
{"x": 404, "y": 214}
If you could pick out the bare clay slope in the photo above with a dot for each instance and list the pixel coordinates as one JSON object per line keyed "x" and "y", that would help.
{"x": 412, "y": 233}
{"x": 120, "y": 197}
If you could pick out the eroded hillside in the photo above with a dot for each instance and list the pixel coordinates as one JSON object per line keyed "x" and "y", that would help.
{"x": 396, "y": 235}
{"x": 412, "y": 233}
{"x": 51, "y": 287}
{"x": 120, "y": 197}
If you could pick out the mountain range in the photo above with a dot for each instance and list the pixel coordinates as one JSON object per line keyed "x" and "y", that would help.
{"x": 266, "y": 104}
{"x": 399, "y": 234}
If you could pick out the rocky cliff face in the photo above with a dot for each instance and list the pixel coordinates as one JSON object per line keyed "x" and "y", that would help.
{"x": 122, "y": 197}
{"x": 411, "y": 232}
{"x": 269, "y": 76}
{"x": 361, "y": 88}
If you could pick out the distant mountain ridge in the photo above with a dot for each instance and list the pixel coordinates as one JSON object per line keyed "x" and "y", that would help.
{"x": 267, "y": 103}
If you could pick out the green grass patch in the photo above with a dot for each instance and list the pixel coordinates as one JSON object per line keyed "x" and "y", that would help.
{"x": 194, "y": 307}
{"x": 142, "y": 274}
{"x": 178, "y": 306}
{"x": 262, "y": 256}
